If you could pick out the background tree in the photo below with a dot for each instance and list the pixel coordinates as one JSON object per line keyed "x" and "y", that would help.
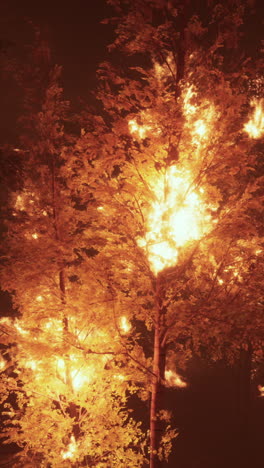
{"x": 68, "y": 345}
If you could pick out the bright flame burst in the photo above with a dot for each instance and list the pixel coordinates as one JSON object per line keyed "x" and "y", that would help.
{"x": 79, "y": 376}
{"x": 2, "y": 364}
{"x": 71, "y": 449}
{"x": 255, "y": 126}
{"x": 176, "y": 216}
{"x": 125, "y": 325}
{"x": 173, "y": 379}
{"x": 198, "y": 118}
{"x": 140, "y": 130}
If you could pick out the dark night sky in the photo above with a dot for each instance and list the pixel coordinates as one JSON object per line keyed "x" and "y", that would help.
{"x": 77, "y": 40}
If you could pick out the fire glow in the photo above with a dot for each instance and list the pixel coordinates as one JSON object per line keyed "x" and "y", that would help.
{"x": 199, "y": 118}
{"x": 140, "y": 130}
{"x": 125, "y": 324}
{"x": 255, "y": 126}
{"x": 70, "y": 370}
{"x": 175, "y": 217}
{"x": 71, "y": 449}
{"x": 173, "y": 379}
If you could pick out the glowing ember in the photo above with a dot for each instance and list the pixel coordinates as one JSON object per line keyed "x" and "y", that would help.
{"x": 140, "y": 130}
{"x": 39, "y": 298}
{"x": 261, "y": 390}
{"x": 35, "y": 236}
{"x": 71, "y": 449}
{"x": 2, "y": 364}
{"x": 255, "y": 126}
{"x": 125, "y": 324}
{"x": 174, "y": 380}
{"x": 20, "y": 203}
{"x": 175, "y": 217}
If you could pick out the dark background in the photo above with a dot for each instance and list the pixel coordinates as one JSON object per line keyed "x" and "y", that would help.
{"x": 77, "y": 40}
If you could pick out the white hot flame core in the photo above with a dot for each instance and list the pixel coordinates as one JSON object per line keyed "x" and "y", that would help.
{"x": 78, "y": 375}
{"x": 71, "y": 449}
{"x": 125, "y": 325}
{"x": 200, "y": 128}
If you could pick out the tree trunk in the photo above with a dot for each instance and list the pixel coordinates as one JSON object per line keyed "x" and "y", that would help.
{"x": 243, "y": 400}
{"x": 157, "y": 386}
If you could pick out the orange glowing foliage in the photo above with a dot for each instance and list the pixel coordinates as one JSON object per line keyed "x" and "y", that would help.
{"x": 64, "y": 379}
{"x": 72, "y": 370}
{"x": 199, "y": 118}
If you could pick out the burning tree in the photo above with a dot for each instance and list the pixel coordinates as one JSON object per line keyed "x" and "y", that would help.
{"x": 188, "y": 179}
{"x": 152, "y": 220}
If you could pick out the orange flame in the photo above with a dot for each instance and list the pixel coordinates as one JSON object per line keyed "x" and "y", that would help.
{"x": 176, "y": 216}
{"x": 198, "y": 118}
{"x": 79, "y": 375}
{"x": 139, "y": 130}
{"x": 125, "y": 325}
{"x": 255, "y": 126}
{"x": 71, "y": 449}
{"x": 173, "y": 379}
